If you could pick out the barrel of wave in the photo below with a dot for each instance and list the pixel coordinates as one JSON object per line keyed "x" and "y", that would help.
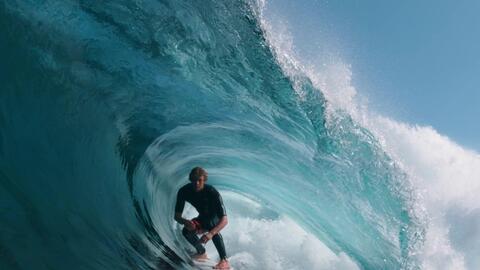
{"x": 256, "y": 237}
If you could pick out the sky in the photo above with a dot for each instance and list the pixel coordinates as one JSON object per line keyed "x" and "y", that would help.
{"x": 415, "y": 61}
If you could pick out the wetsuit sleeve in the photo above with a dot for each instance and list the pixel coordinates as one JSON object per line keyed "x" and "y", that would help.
{"x": 220, "y": 207}
{"x": 180, "y": 204}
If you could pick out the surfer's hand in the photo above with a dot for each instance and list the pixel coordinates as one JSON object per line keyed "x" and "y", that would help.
{"x": 190, "y": 225}
{"x": 206, "y": 237}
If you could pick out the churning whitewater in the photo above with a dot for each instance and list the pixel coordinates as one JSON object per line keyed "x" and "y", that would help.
{"x": 106, "y": 106}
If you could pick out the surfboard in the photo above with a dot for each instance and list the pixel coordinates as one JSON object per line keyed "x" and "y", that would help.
{"x": 205, "y": 264}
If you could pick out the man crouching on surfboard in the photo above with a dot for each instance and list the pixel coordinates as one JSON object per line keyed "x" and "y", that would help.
{"x": 211, "y": 216}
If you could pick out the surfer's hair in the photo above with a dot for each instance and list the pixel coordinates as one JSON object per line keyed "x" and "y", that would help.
{"x": 196, "y": 173}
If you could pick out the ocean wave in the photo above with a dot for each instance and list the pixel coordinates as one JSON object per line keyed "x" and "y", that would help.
{"x": 105, "y": 107}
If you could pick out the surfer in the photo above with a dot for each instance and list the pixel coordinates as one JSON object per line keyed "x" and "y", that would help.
{"x": 211, "y": 219}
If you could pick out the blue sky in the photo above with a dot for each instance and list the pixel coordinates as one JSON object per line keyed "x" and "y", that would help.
{"x": 416, "y": 61}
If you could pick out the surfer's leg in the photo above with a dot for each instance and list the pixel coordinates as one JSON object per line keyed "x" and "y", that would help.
{"x": 193, "y": 239}
{"x": 218, "y": 242}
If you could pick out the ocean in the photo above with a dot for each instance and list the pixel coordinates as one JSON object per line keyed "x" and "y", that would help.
{"x": 106, "y": 106}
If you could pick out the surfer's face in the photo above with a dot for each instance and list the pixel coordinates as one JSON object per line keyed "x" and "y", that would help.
{"x": 199, "y": 184}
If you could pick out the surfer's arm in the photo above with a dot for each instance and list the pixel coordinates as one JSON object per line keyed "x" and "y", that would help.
{"x": 179, "y": 205}
{"x": 221, "y": 224}
{"x": 187, "y": 223}
{"x": 221, "y": 212}
{"x": 178, "y": 218}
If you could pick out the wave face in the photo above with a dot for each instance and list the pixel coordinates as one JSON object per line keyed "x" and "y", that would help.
{"x": 105, "y": 108}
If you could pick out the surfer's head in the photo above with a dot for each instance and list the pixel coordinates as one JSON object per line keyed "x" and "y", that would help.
{"x": 198, "y": 176}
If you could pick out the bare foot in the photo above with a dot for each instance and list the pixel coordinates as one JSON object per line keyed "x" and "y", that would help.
{"x": 223, "y": 265}
{"x": 200, "y": 257}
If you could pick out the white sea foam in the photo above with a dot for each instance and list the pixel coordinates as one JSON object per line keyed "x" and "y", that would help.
{"x": 445, "y": 175}
{"x": 277, "y": 243}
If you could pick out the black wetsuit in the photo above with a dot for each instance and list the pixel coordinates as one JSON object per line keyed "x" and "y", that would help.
{"x": 209, "y": 205}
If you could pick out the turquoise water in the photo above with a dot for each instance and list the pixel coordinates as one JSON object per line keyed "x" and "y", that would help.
{"x": 105, "y": 107}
